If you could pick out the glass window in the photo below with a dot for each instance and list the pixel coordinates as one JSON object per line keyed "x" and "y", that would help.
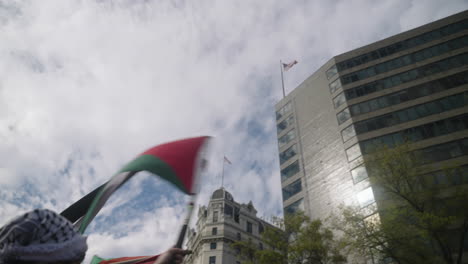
{"x": 359, "y": 174}
{"x": 239, "y": 237}
{"x": 374, "y": 105}
{"x": 412, "y": 114}
{"x": 294, "y": 207}
{"x": 212, "y": 260}
{"x": 249, "y": 227}
{"x": 286, "y": 138}
{"x": 353, "y": 152}
{"x": 421, "y": 110}
{"x": 365, "y": 107}
{"x": 280, "y": 127}
{"x": 213, "y": 245}
{"x": 283, "y": 110}
{"x": 339, "y": 100}
{"x": 348, "y": 133}
{"x": 228, "y": 210}
{"x": 332, "y": 71}
{"x": 335, "y": 85}
{"x": 383, "y": 101}
{"x": 215, "y": 216}
{"x": 214, "y": 231}
{"x": 292, "y": 189}
{"x": 365, "y": 197}
{"x": 343, "y": 116}
{"x": 397, "y": 79}
{"x": 355, "y": 110}
{"x": 288, "y": 153}
{"x": 406, "y": 60}
{"x": 380, "y": 68}
{"x": 290, "y": 171}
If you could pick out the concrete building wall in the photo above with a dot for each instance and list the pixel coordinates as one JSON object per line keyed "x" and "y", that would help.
{"x": 329, "y": 152}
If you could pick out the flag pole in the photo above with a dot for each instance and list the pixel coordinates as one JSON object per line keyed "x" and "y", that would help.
{"x": 222, "y": 176}
{"x": 282, "y": 79}
{"x": 183, "y": 231}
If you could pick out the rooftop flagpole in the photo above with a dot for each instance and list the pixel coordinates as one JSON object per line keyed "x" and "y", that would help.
{"x": 225, "y": 160}
{"x": 222, "y": 176}
{"x": 282, "y": 79}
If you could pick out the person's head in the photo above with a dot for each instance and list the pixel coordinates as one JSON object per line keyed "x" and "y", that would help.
{"x": 41, "y": 236}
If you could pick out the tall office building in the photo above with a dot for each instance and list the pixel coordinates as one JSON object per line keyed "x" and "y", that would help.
{"x": 221, "y": 223}
{"x": 412, "y": 85}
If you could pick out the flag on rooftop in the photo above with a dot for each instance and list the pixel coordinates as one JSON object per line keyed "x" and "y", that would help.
{"x": 287, "y": 66}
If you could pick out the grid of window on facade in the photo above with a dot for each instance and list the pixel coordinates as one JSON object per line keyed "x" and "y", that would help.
{"x": 442, "y": 65}
{"x": 406, "y": 60}
{"x": 414, "y": 134}
{"x": 447, "y": 177}
{"x": 407, "y": 76}
{"x": 400, "y": 46}
{"x": 445, "y": 151}
{"x": 411, "y": 93}
{"x": 412, "y": 113}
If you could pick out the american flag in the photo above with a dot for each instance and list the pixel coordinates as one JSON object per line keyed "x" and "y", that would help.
{"x": 226, "y": 160}
{"x": 287, "y": 66}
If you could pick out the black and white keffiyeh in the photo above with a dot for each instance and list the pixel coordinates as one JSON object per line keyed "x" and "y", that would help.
{"x": 41, "y": 235}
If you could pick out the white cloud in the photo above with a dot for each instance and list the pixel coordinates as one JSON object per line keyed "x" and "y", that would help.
{"x": 87, "y": 85}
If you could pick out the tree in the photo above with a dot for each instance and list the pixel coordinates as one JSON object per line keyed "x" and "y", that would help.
{"x": 422, "y": 215}
{"x": 298, "y": 240}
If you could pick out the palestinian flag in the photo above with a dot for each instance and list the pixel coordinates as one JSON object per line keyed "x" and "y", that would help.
{"x": 176, "y": 162}
{"x": 125, "y": 260}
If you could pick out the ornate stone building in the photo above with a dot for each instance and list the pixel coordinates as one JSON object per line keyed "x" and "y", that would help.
{"x": 221, "y": 223}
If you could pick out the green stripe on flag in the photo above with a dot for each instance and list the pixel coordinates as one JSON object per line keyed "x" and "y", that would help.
{"x": 156, "y": 166}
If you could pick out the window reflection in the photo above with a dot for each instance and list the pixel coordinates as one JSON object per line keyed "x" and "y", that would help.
{"x": 283, "y": 111}
{"x": 290, "y": 171}
{"x": 353, "y": 152}
{"x": 365, "y": 197}
{"x": 348, "y": 133}
{"x": 286, "y": 138}
{"x": 294, "y": 207}
{"x": 343, "y": 116}
{"x": 288, "y": 153}
{"x": 339, "y": 100}
{"x": 335, "y": 85}
{"x": 359, "y": 174}
{"x": 284, "y": 124}
{"x": 332, "y": 71}
{"x": 292, "y": 189}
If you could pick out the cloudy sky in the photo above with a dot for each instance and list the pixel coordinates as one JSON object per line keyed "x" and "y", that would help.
{"x": 87, "y": 85}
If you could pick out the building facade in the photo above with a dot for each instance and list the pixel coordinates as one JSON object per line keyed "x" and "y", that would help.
{"x": 221, "y": 223}
{"x": 413, "y": 86}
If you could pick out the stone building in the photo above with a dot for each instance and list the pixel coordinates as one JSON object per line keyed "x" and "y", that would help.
{"x": 219, "y": 224}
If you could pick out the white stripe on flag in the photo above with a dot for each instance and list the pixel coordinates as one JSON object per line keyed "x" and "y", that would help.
{"x": 288, "y": 66}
